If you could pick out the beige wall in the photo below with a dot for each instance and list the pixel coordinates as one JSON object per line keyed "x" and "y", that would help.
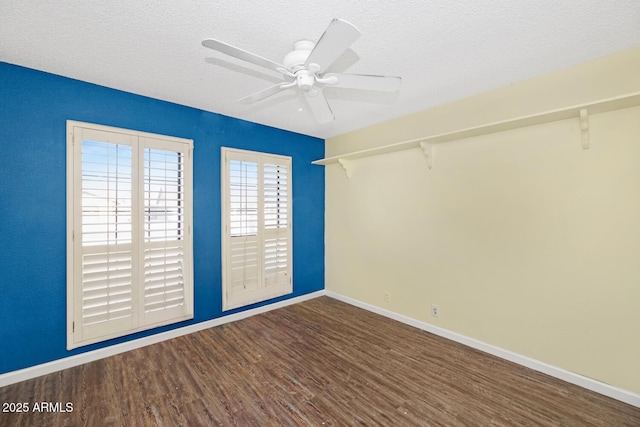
{"x": 524, "y": 240}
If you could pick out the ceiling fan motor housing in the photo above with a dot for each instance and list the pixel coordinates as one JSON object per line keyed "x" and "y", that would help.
{"x": 296, "y": 58}
{"x": 295, "y": 61}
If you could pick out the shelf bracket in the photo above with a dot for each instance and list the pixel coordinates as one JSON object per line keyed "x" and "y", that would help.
{"x": 427, "y": 148}
{"x": 584, "y": 127}
{"x": 347, "y": 165}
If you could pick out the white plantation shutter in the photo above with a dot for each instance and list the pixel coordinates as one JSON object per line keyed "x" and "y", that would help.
{"x": 164, "y": 287}
{"x": 129, "y": 214}
{"x": 276, "y": 223}
{"x": 164, "y": 232}
{"x": 106, "y": 290}
{"x": 256, "y": 191}
{"x": 105, "y": 297}
{"x": 245, "y": 263}
{"x": 244, "y": 247}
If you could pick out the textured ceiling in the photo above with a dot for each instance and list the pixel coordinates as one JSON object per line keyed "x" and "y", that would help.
{"x": 443, "y": 50}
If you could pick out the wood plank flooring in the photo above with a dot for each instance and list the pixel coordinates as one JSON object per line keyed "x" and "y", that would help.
{"x": 318, "y": 363}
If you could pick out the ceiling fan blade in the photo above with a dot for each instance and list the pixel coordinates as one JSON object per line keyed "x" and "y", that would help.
{"x": 242, "y": 54}
{"x": 261, "y": 94}
{"x": 319, "y": 107}
{"x": 337, "y": 38}
{"x": 365, "y": 81}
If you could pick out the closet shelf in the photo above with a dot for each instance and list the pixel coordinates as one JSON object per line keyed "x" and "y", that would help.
{"x": 578, "y": 111}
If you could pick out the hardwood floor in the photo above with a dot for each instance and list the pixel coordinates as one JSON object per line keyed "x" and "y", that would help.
{"x": 320, "y": 362}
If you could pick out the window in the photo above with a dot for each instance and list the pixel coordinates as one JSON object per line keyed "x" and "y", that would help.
{"x": 129, "y": 232}
{"x": 256, "y": 247}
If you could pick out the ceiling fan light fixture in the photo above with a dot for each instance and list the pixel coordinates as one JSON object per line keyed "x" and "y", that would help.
{"x": 305, "y": 79}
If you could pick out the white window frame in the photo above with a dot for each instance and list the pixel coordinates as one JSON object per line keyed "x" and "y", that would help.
{"x": 140, "y": 319}
{"x": 268, "y": 285}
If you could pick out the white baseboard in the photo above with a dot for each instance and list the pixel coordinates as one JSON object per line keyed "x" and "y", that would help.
{"x": 570, "y": 377}
{"x": 90, "y": 356}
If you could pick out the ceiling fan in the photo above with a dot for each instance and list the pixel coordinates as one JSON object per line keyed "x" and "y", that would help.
{"x": 304, "y": 68}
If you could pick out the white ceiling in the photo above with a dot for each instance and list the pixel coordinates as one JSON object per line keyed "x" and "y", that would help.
{"x": 443, "y": 50}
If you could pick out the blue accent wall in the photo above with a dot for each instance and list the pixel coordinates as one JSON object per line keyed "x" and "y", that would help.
{"x": 34, "y": 108}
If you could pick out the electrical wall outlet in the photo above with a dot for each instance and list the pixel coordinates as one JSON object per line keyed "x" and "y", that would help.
{"x": 387, "y": 297}
{"x": 435, "y": 310}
